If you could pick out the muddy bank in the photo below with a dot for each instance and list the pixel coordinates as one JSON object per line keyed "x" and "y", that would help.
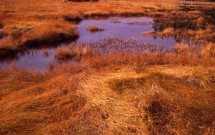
{"x": 7, "y": 52}
{"x": 52, "y": 39}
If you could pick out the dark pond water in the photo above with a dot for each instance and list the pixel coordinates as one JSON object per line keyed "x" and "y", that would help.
{"x": 34, "y": 59}
{"x": 123, "y": 28}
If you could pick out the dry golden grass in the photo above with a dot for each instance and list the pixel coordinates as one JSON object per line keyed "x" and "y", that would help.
{"x": 124, "y": 93}
{"x": 206, "y": 34}
{"x": 20, "y": 36}
{"x": 208, "y": 50}
{"x": 149, "y": 33}
{"x": 108, "y": 99}
{"x": 154, "y": 92}
{"x": 167, "y": 32}
{"x": 128, "y": 52}
{"x": 64, "y": 53}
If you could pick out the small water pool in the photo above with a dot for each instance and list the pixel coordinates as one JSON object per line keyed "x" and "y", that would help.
{"x": 124, "y": 28}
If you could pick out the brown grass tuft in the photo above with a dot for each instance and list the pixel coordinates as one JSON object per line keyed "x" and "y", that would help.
{"x": 64, "y": 53}
{"x": 167, "y": 32}
{"x": 94, "y": 28}
{"x": 208, "y": 50}
{"x": 149, "y": 33}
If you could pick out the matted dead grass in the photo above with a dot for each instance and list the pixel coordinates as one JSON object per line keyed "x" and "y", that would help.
{"x": 150, "y": 93}
{"x": 115, "y": 99}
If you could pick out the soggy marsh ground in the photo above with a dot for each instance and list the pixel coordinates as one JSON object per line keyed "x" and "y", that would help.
{"x": 107, "y": 34}
{"x": 107, "y": 67}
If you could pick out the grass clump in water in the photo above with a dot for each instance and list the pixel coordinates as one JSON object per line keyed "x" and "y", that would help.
{"x": 94, "y": 28}
{"x": 64, "y": 54}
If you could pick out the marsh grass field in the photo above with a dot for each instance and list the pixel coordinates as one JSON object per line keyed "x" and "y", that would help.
{"x": 121, "y": 67}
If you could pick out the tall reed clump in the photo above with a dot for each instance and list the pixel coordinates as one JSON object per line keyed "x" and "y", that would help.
{"x": 208, "y": 50}
{"x": 64, "y": 53}
{"x": 134, "y": 52}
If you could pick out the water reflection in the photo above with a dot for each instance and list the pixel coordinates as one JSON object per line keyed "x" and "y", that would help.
{"x": 125, "y": 28}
